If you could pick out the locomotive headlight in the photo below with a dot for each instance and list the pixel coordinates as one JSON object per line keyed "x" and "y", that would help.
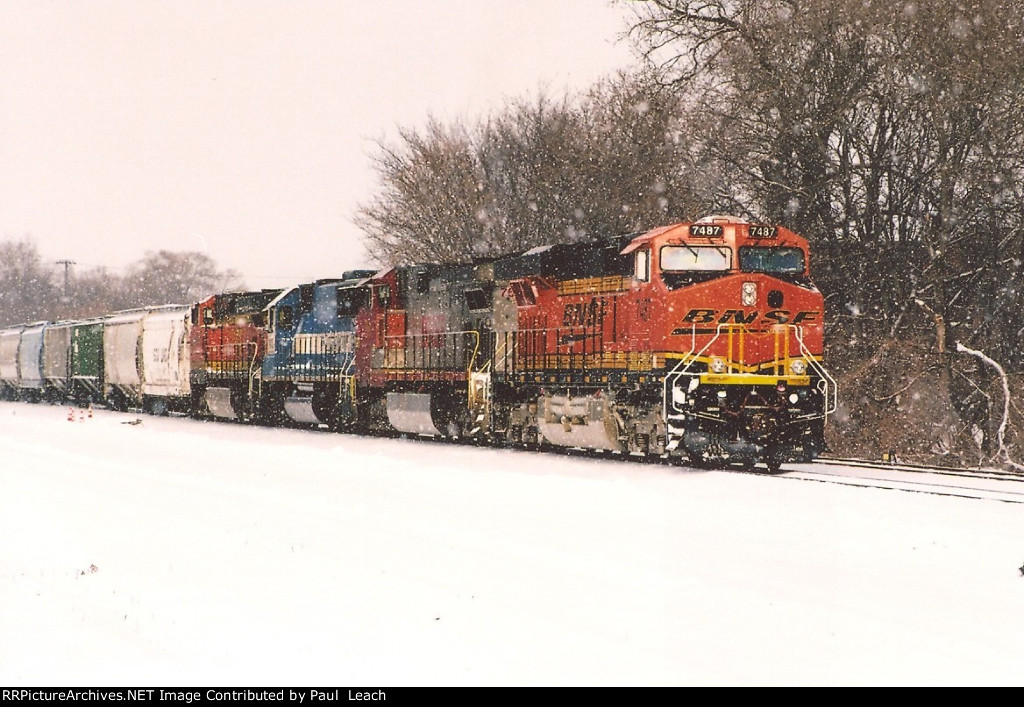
{"x": 717, "y": 365}
{"x": 793, "y": 397}
{"x": 798, "y": 366}
{"x": 749, "y": 294}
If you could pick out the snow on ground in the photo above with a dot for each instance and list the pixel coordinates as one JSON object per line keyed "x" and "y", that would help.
{"x": 175, "y": 552}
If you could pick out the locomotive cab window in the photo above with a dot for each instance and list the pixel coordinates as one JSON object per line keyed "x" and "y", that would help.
{"x": 642, "y": 268}
{"x": 687, "y": 258}
{"x": 350, "y": 300}
{"x": 523, "y": 293}
{"x": 284, "y": 317}
{"x": 478, "y": 300}
{"x": 771, "y": 260}
{"x": 383, "y": 296}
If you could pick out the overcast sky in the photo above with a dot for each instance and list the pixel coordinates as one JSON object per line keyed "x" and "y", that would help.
{"x": 244, "y": 129}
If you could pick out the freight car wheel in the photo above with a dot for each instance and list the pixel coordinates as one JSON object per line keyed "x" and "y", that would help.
{"x": 116, "y": 401}
{"x": 155, "y": 406}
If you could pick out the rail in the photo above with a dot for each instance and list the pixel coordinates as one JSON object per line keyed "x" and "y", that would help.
{"x": 231, "y": 359}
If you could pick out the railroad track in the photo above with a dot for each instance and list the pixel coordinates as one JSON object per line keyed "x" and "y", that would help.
{"x": 982, "y": 484}
{"x": 987, "y": 484}
{"x": 991, "y": 484}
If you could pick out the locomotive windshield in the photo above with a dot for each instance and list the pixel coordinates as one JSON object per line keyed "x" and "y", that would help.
{"x": 771, "y": 259}
{"x": 689, "y": 258}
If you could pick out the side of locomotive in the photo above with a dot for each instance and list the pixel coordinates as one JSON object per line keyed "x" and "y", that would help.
{"x": 423, "y": 337}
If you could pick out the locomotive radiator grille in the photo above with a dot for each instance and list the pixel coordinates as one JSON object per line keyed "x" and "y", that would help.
{"x": 594, "y": 285}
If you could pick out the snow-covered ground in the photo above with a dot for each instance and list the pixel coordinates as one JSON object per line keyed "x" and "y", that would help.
{"x": 175, "y": 552}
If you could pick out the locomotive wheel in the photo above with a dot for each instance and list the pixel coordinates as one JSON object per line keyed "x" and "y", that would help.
{"x": 697, "y": 461}
{"x": 773, "y": 458}
{"x": 453, "y": 431}
{"x": 272, "y": 410}
{"x": 513, "y": 436}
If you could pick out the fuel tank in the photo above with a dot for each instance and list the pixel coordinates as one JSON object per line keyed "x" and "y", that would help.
{"x": 586, "y": 421}
{"x": 418, "y": 413}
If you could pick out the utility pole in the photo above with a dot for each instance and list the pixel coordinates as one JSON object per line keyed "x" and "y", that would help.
{"x": 67, "y": 267}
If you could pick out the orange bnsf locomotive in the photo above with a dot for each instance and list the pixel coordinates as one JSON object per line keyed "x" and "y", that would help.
{"x": 699, "y": 342}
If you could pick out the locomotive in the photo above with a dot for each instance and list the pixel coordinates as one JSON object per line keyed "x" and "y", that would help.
{"x": 698, "y": 342}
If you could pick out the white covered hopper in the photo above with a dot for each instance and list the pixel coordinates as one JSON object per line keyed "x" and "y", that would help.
{"x": 9, "y": 340}
{"x": 122, "y": 360}
{"x": 165, "y": 352}
{"x": 30, "y": 357}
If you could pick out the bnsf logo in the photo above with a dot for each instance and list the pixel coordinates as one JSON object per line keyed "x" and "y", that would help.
{"x": 584, "y": 313}
{"x": 738, "y": 316}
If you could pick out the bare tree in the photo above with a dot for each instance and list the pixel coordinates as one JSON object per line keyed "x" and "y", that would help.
{"x": 27, "y": 287}
{"x": 93, "y": 293}
{"x": 167, "y": 277}
{"x": 543, "y": 171}
{"x": 29, "y": 290}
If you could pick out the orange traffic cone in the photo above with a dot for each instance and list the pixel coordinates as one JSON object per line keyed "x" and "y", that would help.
{"x": 71, "y": 414}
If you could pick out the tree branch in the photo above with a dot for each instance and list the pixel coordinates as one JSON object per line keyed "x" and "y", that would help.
{"x": 1001, "y": 432}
